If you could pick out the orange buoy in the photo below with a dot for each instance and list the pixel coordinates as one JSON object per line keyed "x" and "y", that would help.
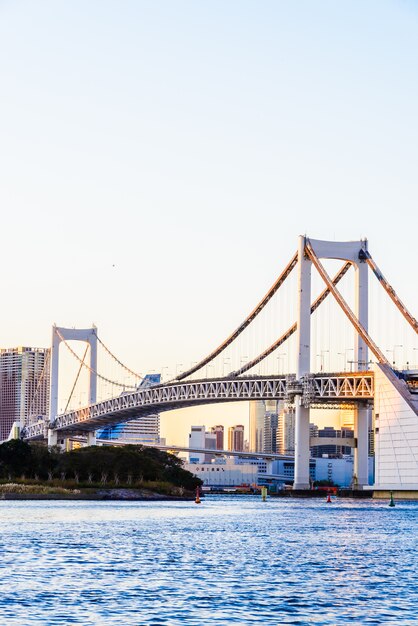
{"x": 197, "y": 500}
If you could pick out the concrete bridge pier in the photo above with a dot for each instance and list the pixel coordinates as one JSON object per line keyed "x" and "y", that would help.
{"x": 52, "y": 438}
{"x": 91, "y": 438}
{"x": 302, "y": 454}
{"x": 303, "y": 364}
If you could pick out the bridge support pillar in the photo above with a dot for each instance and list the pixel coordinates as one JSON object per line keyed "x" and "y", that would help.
{"x": 361, "y": 452}
{"x": 303, "y": 363}
{"x": 302, "y": 453}
{"x": 52, "y": 438}
{"x": 91, "y": 438}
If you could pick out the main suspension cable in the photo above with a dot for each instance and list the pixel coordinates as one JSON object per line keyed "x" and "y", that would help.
{"x": 90, "y": 369}
{"x": 391, "y": 292}
{"x": 343, "y": 304}
{"x": 293, "y": 328}
{"x": 115, "y": 358}
{"x": 260, "y": 306}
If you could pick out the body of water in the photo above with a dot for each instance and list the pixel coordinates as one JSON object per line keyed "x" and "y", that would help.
{"x": 230, "y": 560}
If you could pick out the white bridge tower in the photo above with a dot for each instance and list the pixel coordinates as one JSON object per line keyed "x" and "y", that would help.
{"x": 354, "y": 252}
{"x": 87, "y": 335}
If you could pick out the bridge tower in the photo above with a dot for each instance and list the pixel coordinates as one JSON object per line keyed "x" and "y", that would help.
{"x": 87, "y": 335}
{"x": 355, "y": 252}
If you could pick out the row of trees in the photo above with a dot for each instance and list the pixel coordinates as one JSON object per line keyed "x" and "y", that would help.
{"x": 125, "y": 464}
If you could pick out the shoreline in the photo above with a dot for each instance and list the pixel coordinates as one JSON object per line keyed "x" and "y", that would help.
{"x": 121, "y": 495}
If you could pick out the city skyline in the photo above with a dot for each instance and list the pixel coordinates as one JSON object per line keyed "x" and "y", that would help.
{"x": 209, "y": 216}
{"x": 136, "y": 176}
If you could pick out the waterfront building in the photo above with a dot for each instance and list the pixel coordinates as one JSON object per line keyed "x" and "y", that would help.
{"x": 262, "y": 465}
{"x": 24, "y": 386}
{"x": 225, "y": 474}
{"x": 336, "y": 471}
{"x": 219, "y": 432}
{"x": 236, "y": 438}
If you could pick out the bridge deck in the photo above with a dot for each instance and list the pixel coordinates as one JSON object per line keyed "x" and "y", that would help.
{"x": 317, "y": 389}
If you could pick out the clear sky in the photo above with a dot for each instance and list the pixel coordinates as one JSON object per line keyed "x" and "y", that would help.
{"x": 159, "y": 159}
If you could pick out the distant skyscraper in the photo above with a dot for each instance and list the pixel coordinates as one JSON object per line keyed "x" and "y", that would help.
{"x": 270, "y": 427}
{"x": 197, "y": 440}
{"x": 219, "y": 432}
{"x": 286, "y": 430}
{"x": 210, "y": 444}
{"x": 236, "y": 438}
{"x": 257, "y": 411}
{"x": 24, "y": 386}
{"x": 263, "y": 425}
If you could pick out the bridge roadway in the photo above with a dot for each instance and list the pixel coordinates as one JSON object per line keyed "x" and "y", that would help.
{"x": 266, "y": 456}
{"x": 322, "y": 389}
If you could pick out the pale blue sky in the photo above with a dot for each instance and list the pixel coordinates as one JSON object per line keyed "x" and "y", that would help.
{"x": 159, "y": 159}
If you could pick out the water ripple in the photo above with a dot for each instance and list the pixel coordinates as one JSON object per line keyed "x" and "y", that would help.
{"x": 232, "y": 560}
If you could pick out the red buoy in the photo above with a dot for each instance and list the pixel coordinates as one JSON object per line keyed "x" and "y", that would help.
{"x": 329, "y": 498}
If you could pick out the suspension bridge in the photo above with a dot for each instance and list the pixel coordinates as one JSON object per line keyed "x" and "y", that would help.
{"x": 288, "y": 317}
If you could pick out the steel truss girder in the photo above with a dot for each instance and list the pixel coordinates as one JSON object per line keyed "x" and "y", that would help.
{"x": 315, "y": 389}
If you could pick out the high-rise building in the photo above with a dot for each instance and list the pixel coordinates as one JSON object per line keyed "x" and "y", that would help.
{"x": 24, "y": 386}
{"x": 219, "y": 432}
{"x": 263, "y": 425}
{"x": 270, "y": 427}
{"x": 286, "y": 430}
{"x": 210, "y": 444}
{"x": 257, "y": 411}
{"x": 236, "y": 438}
{"x": 197, "y": 440}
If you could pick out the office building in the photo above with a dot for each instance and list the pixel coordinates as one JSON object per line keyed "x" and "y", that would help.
{"x": 257, "y": 411}
{"x": 270, "y": 427}
{"x": 285, "y": 430}
{"x": 236, "y": 438}
{"x": 224, "y": 473}
{"x": 197, "y": 440}
{"x": 210, "y": 444}
{"x": 335, "y": 471}
{"x": 261, "y": 425}
{"x": 24, "y": 386}
{"x": 219, "y": 432}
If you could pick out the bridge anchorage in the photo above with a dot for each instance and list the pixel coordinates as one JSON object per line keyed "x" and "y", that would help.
{"x": 395, "y": 405}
